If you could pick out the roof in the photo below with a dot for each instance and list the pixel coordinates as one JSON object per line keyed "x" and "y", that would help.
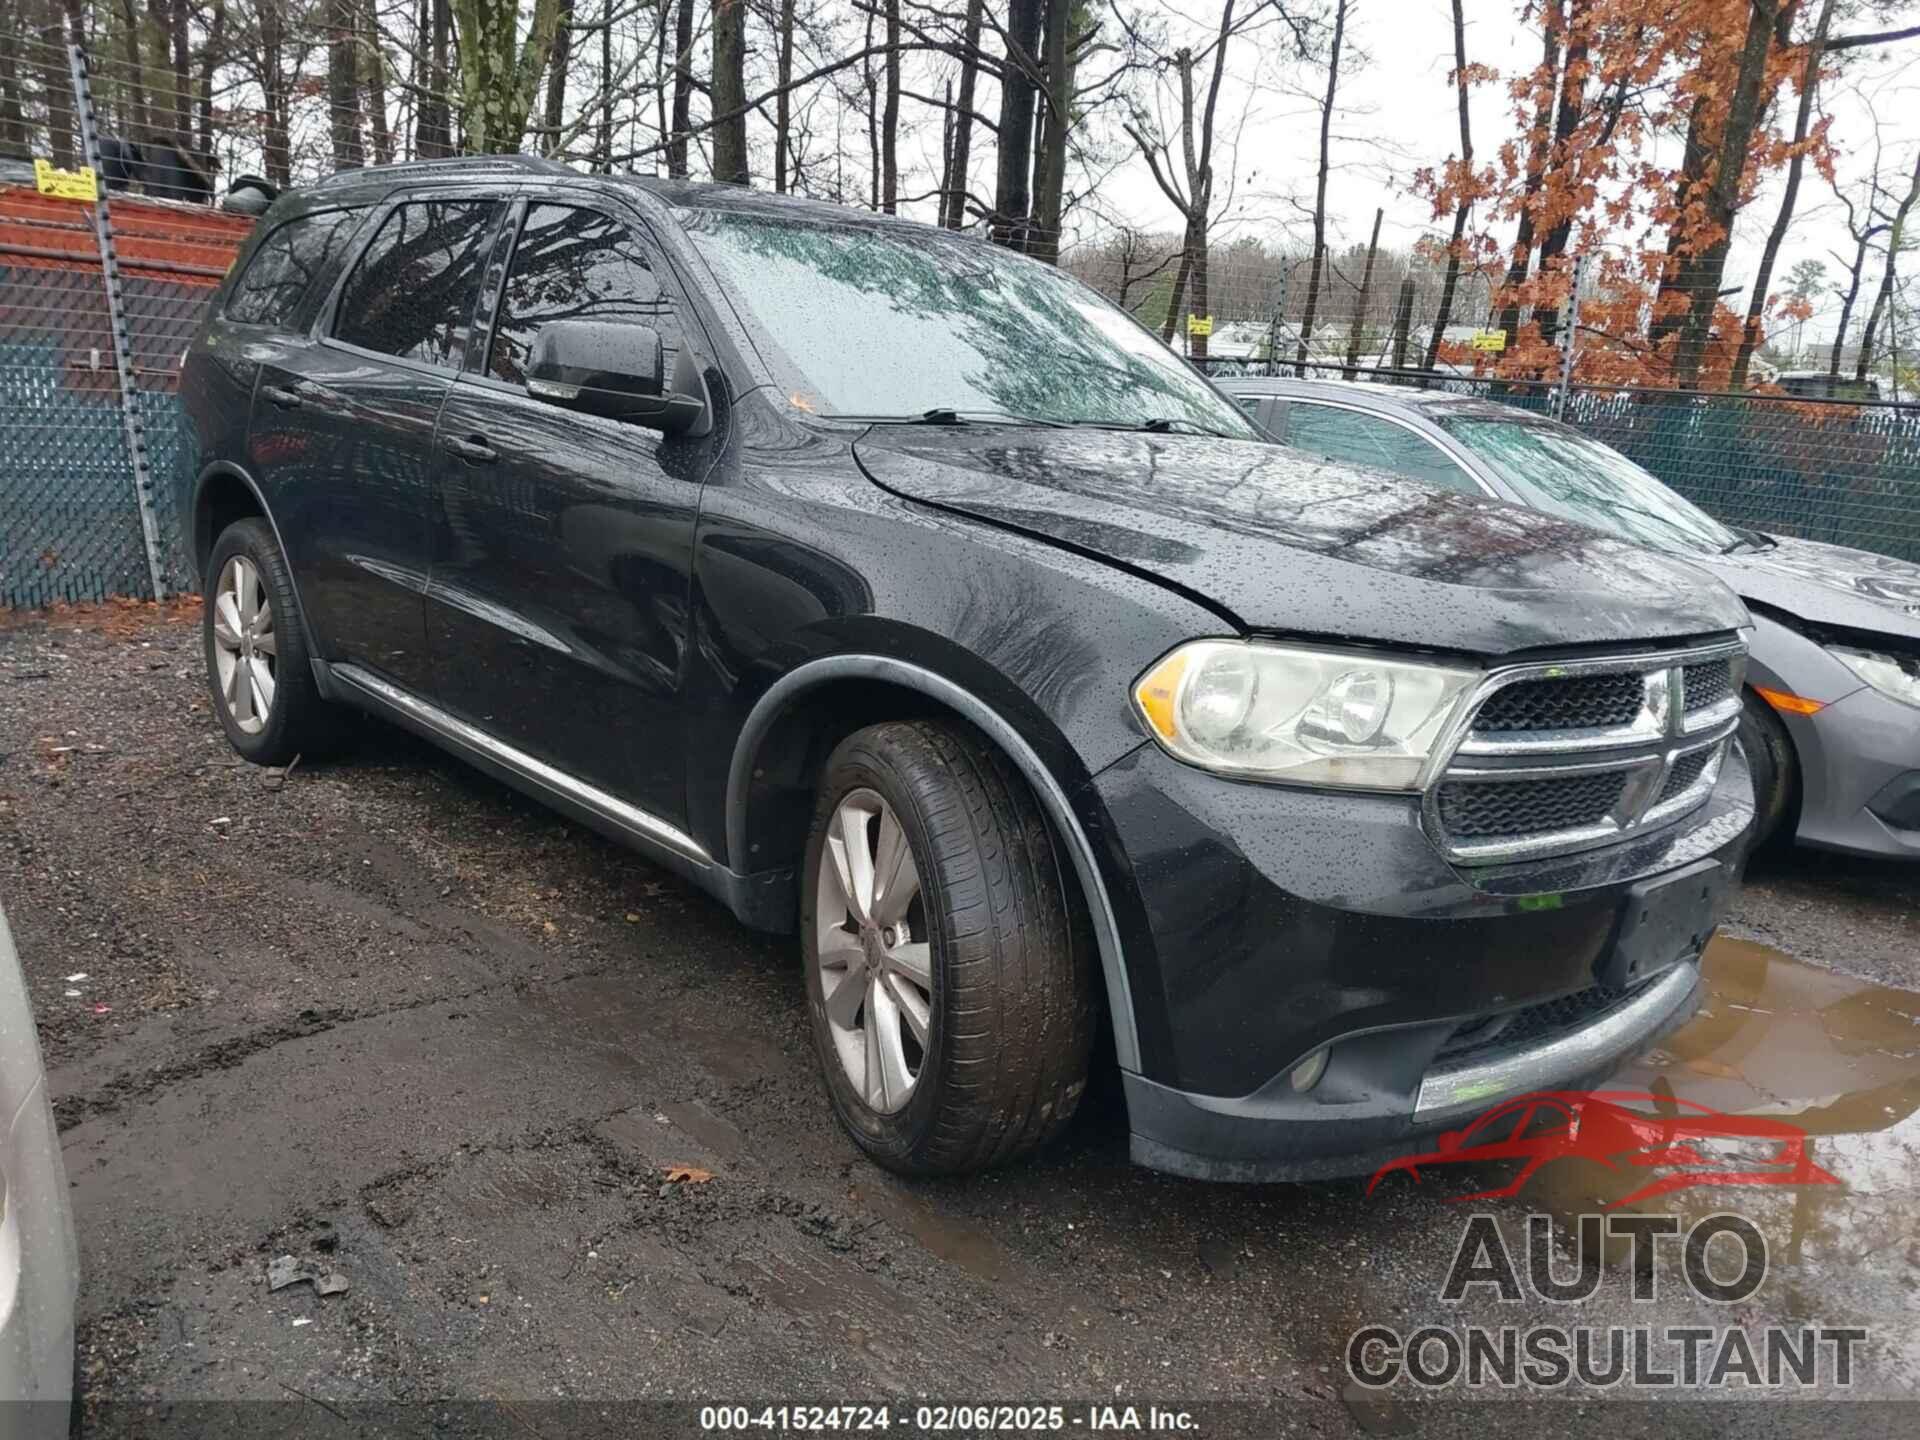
{"x": 157, "y": 239}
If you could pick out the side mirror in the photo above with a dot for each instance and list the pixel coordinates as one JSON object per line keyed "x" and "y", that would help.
{"x": 618, "y": 370}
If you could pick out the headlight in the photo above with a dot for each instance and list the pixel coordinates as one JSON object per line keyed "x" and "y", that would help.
{"x": 1895, "y": 676}
{"x": 1309, "y": 717}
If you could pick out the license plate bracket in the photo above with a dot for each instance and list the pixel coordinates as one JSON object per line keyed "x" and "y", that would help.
{"x": 1664, "y": 921}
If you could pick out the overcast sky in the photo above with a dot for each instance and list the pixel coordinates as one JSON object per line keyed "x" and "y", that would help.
{"x": 1397, "y": 113}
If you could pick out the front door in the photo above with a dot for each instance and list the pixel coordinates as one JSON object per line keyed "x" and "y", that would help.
{"x": 359, "y": 403}
{"x": 557, "y": 609}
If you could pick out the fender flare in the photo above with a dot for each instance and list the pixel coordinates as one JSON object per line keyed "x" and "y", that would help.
{"x": 1053, "y": 799}
{"x": 225, "y": 470}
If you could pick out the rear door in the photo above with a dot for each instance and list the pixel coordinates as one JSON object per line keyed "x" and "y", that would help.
{"x": 345, "y": 417}
{"x": 564, "y": 542}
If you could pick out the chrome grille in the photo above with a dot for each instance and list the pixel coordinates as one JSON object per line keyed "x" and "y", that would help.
{"x": 1706, "y": 684}
{"x": 1554, "y": 758}
{"x": 1578, "y": 702}
{"x": 1527, "y": 807}
{"x": 1684, "y": 775}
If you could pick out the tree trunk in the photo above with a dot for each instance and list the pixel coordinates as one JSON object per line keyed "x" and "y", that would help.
{"x": 1750, "y": 335}
{"x": 278, "y": 146}
{"x": 556, "y": 109}
{"x": 682, "y": 90}
{"x": 1896, "y": 232}
{"x": 212, "y": 53}
{"x": 1573, "y": 88}
{"x": 180, "y": 52}
{"x": 1050, "y": 167}
{"x": 783, "y": 102}
{"x": 953, "y": 204}
{"x": 139, "y": 119}
{"x": 1178, "y": 295}
{"x": 498, "y": 72}
{"x": 374, "y": 67}
{"x": 57, "y": 84}
{"x": 343, "y": 86}
{"x": 890, "y": 118}
{"x": 14, "y": 144}
{"x": 1402, "y": 322}
{"x": 1846, "y": 303}
{"x": 432, "y": 121}
{"x": 1697, "y": 280}
{"x": 1360, "y": 300}
{"x": 1197, "y": 344}
{"x": 1445, "y": 308}
{"x": 730, "y": 92}
{"x": 1012, "y": 201}
{"x": 1320, "y": 193}
{"x": 1520, "y": 258}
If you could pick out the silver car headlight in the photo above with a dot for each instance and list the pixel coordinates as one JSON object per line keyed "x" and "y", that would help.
{"x": 1342, "y": 719}
{"x": 1895, "y": 676}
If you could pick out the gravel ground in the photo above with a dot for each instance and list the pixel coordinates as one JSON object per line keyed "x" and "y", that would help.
{"x": 386, "y": 1016}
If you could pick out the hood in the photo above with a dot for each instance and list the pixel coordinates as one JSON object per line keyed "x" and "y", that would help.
{"x": 1828, "y": 585}
{"x": 1284, "y": 542}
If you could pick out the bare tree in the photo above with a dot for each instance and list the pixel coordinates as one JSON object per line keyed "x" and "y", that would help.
{"x": 730, "y": 165}
{"x": 1320, "y": 184}
{"x": 1012, "y": 196}
{"x": 1464, "y": 203}
{"x": 1360, "y": 300}
{"x": 960, "y": 151}
{"x": 1896, "y": 233}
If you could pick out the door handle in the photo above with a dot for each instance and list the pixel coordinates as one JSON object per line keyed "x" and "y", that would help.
{"x": 283, "y": 397}
{"x": 474, "y": 449}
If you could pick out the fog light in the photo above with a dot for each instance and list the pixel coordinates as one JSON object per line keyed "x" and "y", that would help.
{"x": 1307, "y": 1073}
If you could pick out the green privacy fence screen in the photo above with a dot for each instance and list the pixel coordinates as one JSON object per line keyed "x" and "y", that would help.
{"x": 1842, "y": 472}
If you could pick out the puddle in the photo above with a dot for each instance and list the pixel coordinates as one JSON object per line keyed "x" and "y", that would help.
{"x": 1828, "y": 1055}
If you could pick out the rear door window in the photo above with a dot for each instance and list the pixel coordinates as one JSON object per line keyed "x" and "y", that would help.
{"x": 575, "y": 264}
{"x": 287, "y": 263}
{"x": 412, "y": 292}
{"x": 1374, "y": 444}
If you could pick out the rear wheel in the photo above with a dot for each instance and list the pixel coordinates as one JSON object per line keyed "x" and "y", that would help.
{"x": 947, "y": 979}
{"x": 258, "y": 667}
{"x": 1776, "y": 773}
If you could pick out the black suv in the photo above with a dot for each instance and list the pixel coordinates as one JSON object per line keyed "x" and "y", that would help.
{"x": 901, "y": 591}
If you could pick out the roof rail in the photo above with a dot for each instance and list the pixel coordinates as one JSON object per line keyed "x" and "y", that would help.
{"x": 463, "y": 165}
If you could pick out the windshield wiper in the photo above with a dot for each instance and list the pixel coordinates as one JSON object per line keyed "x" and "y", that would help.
{"x": 1158, "y": 425}
{"x": 946, "y": 415}
{"x": 1743, "y": 537}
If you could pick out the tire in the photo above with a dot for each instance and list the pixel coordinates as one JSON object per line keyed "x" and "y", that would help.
{"x": 1776, "y": 773}
{"x": 1008, "y": 1010}
{"x": 296, "y": 720}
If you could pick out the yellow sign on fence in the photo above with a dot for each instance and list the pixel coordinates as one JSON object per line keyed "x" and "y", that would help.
{"x": 66, "y": 184}
{"x": 1489, "y": 340}
{"x": 1198, "y": 325}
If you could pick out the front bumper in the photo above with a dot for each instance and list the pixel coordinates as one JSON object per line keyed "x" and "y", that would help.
{"x": 1285, "y": 920}
{"x": 1859, "y": 763}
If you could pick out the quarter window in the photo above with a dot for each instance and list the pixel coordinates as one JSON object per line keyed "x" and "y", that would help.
{"x": 285, "y": 265}
{"x": 412, "y": 292}
{"x": 1374, "y": 444}
{"x": 574, "y": 264}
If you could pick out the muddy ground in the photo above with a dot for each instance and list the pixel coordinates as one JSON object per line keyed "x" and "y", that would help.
{"x": 388, "y": 1017}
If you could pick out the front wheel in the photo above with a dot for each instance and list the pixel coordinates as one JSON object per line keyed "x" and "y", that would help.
{"x": 1776, "y": 776}
{"x": 257, "y": 663}
{"x": 947, "y": 978}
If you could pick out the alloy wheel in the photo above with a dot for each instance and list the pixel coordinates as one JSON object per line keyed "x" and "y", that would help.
{"x": 876, "y": 962}
{"x": 245, "y": 650}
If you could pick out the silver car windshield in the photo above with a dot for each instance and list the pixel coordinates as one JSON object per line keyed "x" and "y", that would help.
{"x": 1557, "y": 469}
{"x": 874, "y": 323}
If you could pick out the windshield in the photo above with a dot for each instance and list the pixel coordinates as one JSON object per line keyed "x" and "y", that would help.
{"x": 868, "y": 322}
{"x": 1557, "y": 469}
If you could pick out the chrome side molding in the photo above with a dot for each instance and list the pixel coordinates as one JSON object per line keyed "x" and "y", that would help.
{"x": 534, "y": 774}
